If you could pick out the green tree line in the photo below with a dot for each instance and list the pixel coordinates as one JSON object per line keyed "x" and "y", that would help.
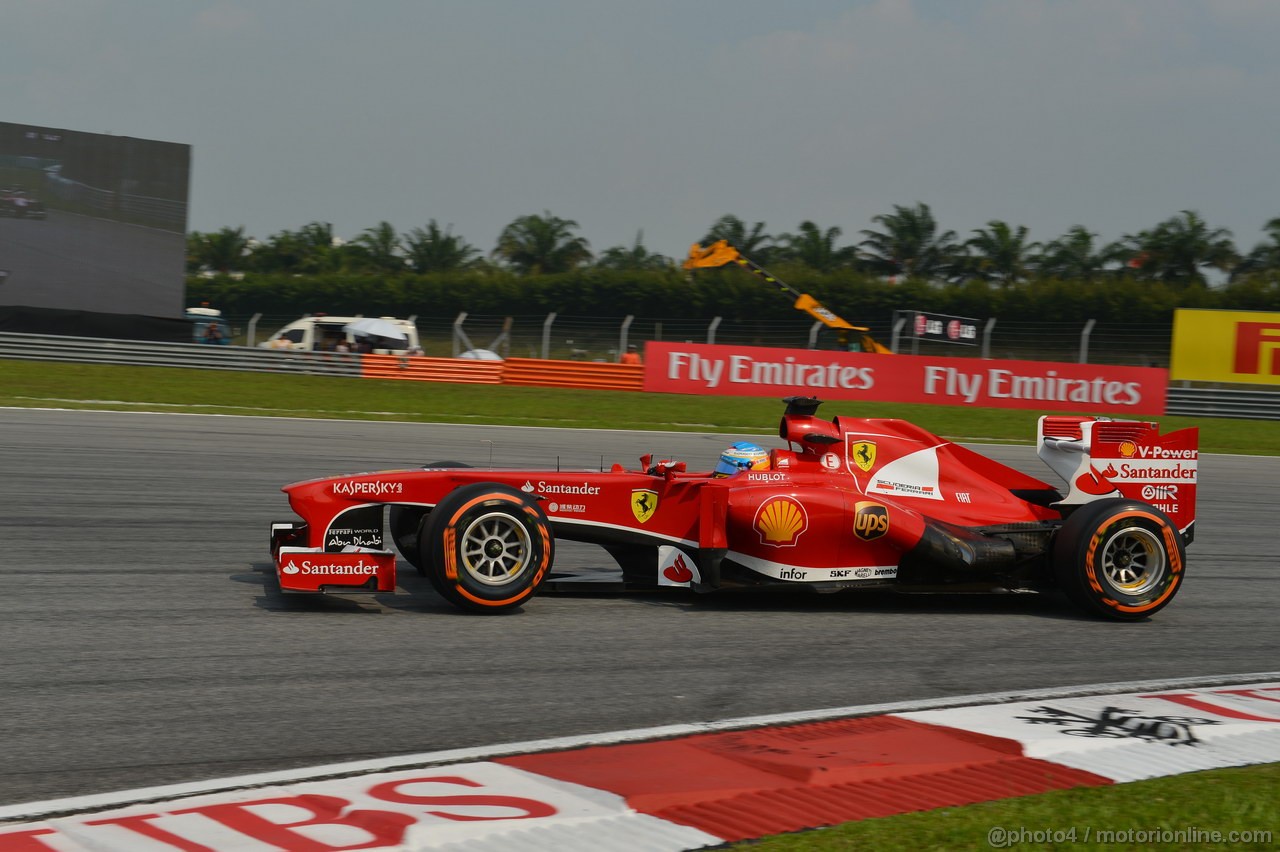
{"x": 540, "y": 264}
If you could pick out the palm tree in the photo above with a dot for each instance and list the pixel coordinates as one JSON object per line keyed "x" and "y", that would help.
{"x": 222, "y": 251}
{"x": 433, "y": 250}
{"x": 542, "y": 244}
{"x": 753, "y": 243}
{"x": 910, "y": 244}
{"x": 1073, "y": 256}
{"x": 636, "y": 257}
{"x": 1000, "y": 253}
{"x": 379, "y": 247}
{"x": 310, "y": 249}
{"x": 816, "y": 248}
{"x": 1177, "y": 250}
{"x": 1265, "y": 257}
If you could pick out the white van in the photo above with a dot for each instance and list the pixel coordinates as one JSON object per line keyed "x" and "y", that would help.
{"x": 324, "y": 333}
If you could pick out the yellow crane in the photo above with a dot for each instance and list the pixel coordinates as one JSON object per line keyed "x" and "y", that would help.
{"x": 720, "y": 253}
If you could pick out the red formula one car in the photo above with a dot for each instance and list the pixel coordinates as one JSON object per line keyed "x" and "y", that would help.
{"x": 853, "y": 503}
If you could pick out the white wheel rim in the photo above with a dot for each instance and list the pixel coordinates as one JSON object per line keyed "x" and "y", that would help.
{"x": 496, "y": 549}
{"x": 1133, "y": 561}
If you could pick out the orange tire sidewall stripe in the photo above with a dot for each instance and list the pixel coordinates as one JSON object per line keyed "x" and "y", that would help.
{"x": 1171, "y": 552}
{"x": 450, "y": 556}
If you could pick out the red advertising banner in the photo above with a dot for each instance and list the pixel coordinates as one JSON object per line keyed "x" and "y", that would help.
{"x": 1042, "y": 385}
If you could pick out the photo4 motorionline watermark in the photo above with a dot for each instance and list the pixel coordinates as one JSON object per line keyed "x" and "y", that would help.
{"x": 1003, "y": 837}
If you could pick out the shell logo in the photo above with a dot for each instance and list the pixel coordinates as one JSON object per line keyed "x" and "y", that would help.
{"x": 780, "y": 520}
{"x": 1128, "y": 449}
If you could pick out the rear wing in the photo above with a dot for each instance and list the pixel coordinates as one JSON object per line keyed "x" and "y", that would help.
{"x": 1100, "y": 458}
{"x": 720, "y": 253}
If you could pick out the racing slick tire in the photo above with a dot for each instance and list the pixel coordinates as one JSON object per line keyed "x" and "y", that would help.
{"x": 487, "y": 547}
{"x": 406, "y": 522}
{"x": 1122, "y": 559}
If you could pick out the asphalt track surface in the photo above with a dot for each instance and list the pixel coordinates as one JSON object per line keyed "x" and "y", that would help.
{"x": 143, "y": 640}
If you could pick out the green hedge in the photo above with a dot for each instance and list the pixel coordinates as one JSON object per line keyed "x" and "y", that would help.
{"x": 729, "y": 293}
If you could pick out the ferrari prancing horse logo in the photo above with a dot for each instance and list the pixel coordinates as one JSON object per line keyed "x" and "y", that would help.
{"x": 643, "y": 504}
{"x": 863, "y": 454}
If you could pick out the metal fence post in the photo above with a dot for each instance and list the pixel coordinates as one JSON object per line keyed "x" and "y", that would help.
{"x": 460, "y": 335}
{"x": 986, "y": 337}
{"x": 711, "y": 330}
{"x": 253, "y": 329}
{"x": 622, "y": 336}
{"x": 897, "y": 331}
{"x": 546, "y": 335}
{"x": 1084, "y": 341}
{"x": 813, "y": 334}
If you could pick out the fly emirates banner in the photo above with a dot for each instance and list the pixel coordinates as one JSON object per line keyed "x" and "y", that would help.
{"x": 717, "y": 370}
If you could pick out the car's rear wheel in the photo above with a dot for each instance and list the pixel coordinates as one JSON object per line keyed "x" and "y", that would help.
{"x": 406, "y": 522}
{"x": 1119, "y": 558}
{"x": 488, "y": 547}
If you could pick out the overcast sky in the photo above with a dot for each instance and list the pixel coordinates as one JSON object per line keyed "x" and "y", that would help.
{"x": 660, "y": 116}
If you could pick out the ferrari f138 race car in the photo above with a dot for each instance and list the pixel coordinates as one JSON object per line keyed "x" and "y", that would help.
{"x": 851, "y": 503}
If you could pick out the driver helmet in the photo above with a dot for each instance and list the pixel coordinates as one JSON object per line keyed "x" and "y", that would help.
{"x": 740, "y": 456}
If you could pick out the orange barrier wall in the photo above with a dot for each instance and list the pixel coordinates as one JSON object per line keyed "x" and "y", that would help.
{"x": 422, "y": 369}
{"x": 590, "y": 375}
{"x": 525, "y": 372}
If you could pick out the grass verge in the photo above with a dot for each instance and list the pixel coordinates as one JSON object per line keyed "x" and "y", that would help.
{"x": 96, "y": 386}
{"x": 1239, "y": 800}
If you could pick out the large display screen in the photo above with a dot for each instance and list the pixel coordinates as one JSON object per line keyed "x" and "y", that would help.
{"x": 92, "y": 222}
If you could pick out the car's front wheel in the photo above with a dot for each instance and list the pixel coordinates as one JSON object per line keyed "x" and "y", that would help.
{"x": 487, "y": 547}
{"x": 406, "y": 523}
{"x": 1119, "y": 558}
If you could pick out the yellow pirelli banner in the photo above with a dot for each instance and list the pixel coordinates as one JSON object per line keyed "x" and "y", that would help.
{"x": 1226, "y": 346}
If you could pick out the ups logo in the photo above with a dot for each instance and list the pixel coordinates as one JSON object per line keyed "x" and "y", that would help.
{"x": 870, "y": 521}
